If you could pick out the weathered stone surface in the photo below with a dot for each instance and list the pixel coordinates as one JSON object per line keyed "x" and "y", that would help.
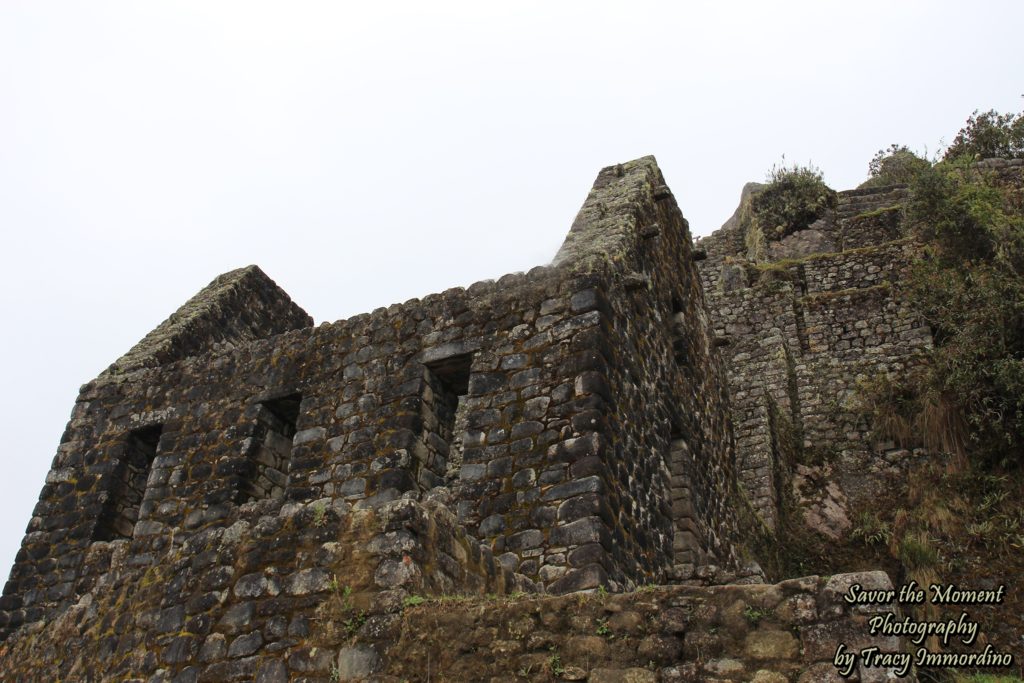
{"x": 238, "y": 306}
{"x": 659, "y": 649}
{"x": 214, "y": 648}
{"x": 728, "y": 668}
{"x": 237, "y": 617}
{"x": 765, "y": 676}
{"x": 584, "y": 648}
{"x": 357, "y": 662}
{"x": 766, "y": 645}
{"x": 251, "y": 586}
{"x": 310, "y": 660}
{"x": 392, "y": 573}
{"x": 822, "y": 672}
{"x": 272, "y": 671}
{"x": 307, "y": 581}
{"x": 632, "y": 675}
{"x": 245, "y": 644}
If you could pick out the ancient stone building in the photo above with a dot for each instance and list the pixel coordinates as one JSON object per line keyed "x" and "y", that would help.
{"x": 799, "y": 323}
{"x": 245, "y": 496}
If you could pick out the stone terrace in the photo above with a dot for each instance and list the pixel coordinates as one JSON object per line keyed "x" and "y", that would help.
{"x": 798, "y": 330}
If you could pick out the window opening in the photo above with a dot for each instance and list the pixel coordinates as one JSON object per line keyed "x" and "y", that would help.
{"x": 272, "y": 448}
{"x": 678, "y": 332}
{"x": 121, "y": 509}
{"x": 444, "y": 420}
{"x": 685, "y": 544}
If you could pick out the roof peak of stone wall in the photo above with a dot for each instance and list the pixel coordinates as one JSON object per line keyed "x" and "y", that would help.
{"x": 244, "y": 304}
{"x": 237, "y": 306}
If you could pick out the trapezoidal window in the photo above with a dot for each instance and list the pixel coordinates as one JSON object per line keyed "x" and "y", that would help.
{"x": 271, "y": 449}
{"x": 120, "y": 511}
{"x": 677, "y": 332}
{"x": 447, "y": 384}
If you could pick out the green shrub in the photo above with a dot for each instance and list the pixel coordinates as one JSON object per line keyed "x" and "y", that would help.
{"x": 966, "y": 216}
{"x": 969, "y": 287}
{"x": 794, "y": 197}
{"x": 897, "y": 165}
{"x": 989, "y": 134}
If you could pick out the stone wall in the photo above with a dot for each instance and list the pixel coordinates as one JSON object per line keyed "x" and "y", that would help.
{"x": 572, "y": 420}
{"x": 344, "y": 600}
{"x": 799, "y": 330}
{"x": 275, "y": 591}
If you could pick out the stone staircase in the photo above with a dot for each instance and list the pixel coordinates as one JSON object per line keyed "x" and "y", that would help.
{"x": 855, "y": 202}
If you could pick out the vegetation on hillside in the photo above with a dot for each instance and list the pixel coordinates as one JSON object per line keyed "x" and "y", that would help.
{"x": 988, "y": 135}
{"x": 969, "y": 287}
{"x": 956, "y": 519}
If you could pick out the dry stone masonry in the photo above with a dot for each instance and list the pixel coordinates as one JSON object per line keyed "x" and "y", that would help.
{"x": 799, "y": 325}
{"x": 243, "y": 496}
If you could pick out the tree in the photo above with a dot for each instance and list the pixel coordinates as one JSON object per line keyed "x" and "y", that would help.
{"x": 989, "y": 134}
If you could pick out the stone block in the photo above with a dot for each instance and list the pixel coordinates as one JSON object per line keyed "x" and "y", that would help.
{"x": 355, "y": 663}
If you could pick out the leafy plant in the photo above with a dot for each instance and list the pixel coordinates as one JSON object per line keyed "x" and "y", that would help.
{"x": 913, "y": 411}
{"x": 989, "y": 134}
{"x": 871, "y": 529}
{"x": 555, "y": 664}
{"x": 969, "y": 287}
{"x": 354, "y": 623}
{"x": 344, "y": 593}
{"x": 319, "y": 514}
{"x": 917, "y": 552}
{"x": 794, "y": 197}
{"x": 413, "y": 600}
{"x": 603, "y": 629}
{"x": 897, "y": 165}
{"x": 754, "y": 615}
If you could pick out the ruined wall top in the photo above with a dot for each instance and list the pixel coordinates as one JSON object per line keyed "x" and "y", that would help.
{"x": 239, "y": 306}
{"x": 606, "y": 228}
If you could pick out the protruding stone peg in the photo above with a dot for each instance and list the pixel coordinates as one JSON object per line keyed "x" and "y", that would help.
{"x": 649, "y": 231}
{"x": 635, "y": 281}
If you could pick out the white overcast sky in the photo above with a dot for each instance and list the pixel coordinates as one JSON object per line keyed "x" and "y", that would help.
{"x": 366, "y": 153}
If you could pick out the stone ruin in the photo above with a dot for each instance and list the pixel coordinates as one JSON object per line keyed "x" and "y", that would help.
{"x": 244, "y": 496}
{"x": 798, "y": 326}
